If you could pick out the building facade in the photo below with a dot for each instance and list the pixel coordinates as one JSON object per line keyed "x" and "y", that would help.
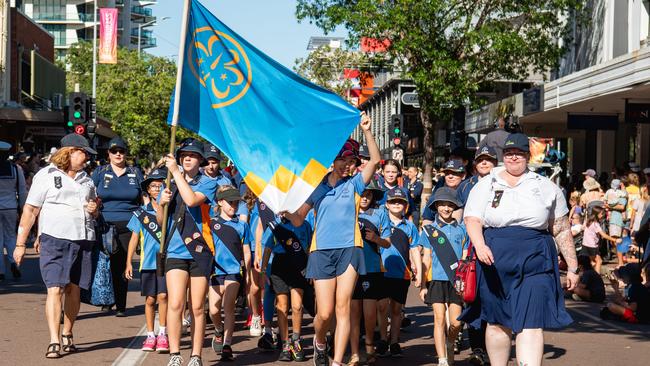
{"x": 71, "y": 21}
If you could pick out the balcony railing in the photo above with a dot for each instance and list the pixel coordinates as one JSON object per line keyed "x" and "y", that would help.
{"x": 145, "y": 33}
{"x": 142, "y": 11}
{"x": 63, "y": 17}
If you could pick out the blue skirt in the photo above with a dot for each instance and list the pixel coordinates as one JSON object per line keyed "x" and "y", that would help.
{"x": 521, "y": 290}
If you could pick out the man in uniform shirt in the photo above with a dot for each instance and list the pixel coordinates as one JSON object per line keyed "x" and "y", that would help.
{"x": 496, "y": 138}
{"x": 12, "y": 198}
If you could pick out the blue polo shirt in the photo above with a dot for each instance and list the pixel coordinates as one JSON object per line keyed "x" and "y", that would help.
{"x": 457, "y": 235}
{"x": 336, "y": 212}
{"x": 379, "y": 218}
{"x": 200, "y": 214}
{"x": 394, "y": 263}
{"x": 465, "y": 187}
{"x": 303, "y": 233}
{"x": 430, "y": 213}
{"x": 120, "y": 195}
{"x": 226, "y": 261}
{"x": 149, "y": 244}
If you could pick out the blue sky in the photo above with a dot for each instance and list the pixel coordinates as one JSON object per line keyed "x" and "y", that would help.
{"x": 269, "y": 25}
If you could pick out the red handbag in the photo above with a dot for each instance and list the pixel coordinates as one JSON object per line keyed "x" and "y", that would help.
{"x": 465, "y": 281}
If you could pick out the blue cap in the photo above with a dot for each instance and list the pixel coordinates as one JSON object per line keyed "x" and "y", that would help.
{"x": 488, "y": 151}
{"x": 4, "y": 146}
{"x": 453, "y": 166}
{"x": 446, "y": 194}
{"x": 74, "y": 140}
{"x": 211, "y": 151}
{"x": 396, "y": 194}
{"x": 156, "y": 174}
{"x": 517, "y": 141}
{"x": 190, "y": 145}
{"x": 117, "y": 143}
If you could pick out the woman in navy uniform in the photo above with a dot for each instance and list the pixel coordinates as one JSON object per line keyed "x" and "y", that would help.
{"x": 118, "y": 188}
{"x": 512, "y": 217}
{"x": 336, "y": 254}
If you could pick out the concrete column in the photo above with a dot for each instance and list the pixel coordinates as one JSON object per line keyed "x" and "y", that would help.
{"x": 606, "y": 142}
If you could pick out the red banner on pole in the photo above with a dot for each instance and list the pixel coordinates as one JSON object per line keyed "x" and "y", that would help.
{"x": 107, "y": 35}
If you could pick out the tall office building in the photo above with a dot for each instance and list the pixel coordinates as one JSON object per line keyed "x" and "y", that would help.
{"x": 70, "y": 21}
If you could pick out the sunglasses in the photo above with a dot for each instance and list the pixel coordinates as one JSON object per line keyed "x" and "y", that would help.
{"x": 117, "y": 151}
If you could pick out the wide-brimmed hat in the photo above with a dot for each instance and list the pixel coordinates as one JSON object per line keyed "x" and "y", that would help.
{"x": 590, "y": 184}
{"x": 156, "y": 174}
{"x": 74, "y": 140}
{"x": 376, "y": 189}
{"x": 445, "y": 194}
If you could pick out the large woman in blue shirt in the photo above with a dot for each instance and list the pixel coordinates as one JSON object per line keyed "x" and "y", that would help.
{"x": 118, "y": 188}
{"x": 336, "y": 257}
{"x": 190, "y": 251}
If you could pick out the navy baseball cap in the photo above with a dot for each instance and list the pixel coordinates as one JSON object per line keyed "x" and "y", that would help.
{"x": 74, "y": 140}
{"x": 396, "y": 194}
{"x": 117, "y": 143}
{"x": 453, "y": 166}
{"x": 211, "y": 151}
{"x": 156, "y": 174}
{"x": 517, "y": 141}
{"x": 191, "y": 145}
{"x": 488, "y": 151}
{"x": 445, "y": 194}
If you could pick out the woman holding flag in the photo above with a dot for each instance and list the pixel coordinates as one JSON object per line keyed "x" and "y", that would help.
{"x": 336, "y": 254}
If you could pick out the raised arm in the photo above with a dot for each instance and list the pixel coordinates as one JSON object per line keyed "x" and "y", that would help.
{"x": 375, "y": 156}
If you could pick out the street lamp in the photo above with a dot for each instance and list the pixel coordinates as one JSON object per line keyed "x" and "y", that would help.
{"x": 145, "y": 25}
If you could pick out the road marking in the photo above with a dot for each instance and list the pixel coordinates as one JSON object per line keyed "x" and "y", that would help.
{"x": 133, "y": 355}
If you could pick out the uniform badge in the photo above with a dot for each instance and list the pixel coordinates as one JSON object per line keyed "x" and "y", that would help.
{"x": 159, "y": 235}
{"x": 188, "y": 240}
{"x": 199, "y": 248}
{"x": 365, "y": 285}
{"x": 296, "y": 246}
{"x": 153, "y": 226}
{"x": 435, "y": 234}
{"x": 441, "y": 241}
{"x": 262, "y": 206}
{"x": 57, "y": 182}
{"x": 217, "y": 227}
{"x": 497, "y": 198}
{"x": 146, "y": 220}
{"x": 131, "y": 181}
{"x": 196, "y": 235}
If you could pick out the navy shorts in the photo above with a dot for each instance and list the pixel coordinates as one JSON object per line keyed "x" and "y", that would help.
{"x": 285, "y": 276}
{"x": 65, "y": 261}
{"x": 150, "y": 284}
{"x": 325, "y": 264}
{"x": 220, "y": 280}
{"x": 188, "y": 265}
{"x": 397, "y": 289}
{"x": 442, "y": 292}
{"x": 370, "y": 287}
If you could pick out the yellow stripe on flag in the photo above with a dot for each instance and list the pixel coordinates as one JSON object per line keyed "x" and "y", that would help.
{"x": 283, "y": 179}
{"x": 313, "y": 173}
{"x": 255, "y": 183}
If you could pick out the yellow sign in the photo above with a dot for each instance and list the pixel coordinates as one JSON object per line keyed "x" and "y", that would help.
{"x": 220, "y": 64}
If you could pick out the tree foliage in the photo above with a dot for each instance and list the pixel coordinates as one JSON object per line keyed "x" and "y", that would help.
{"x": 133, "y": 94}
{"x": 451, "y": 47}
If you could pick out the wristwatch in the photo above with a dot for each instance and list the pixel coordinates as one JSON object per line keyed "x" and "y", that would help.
{"x": 574, "y": 270}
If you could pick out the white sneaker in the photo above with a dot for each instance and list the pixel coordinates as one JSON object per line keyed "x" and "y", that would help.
{"x": 442, "y": 362}
{"x": 450, "y": 353}
{"x": 256, "y": 326}
{"x": 187, "y": 324}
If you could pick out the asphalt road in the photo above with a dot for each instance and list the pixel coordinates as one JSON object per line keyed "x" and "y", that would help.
{"x": 104, "y": 339}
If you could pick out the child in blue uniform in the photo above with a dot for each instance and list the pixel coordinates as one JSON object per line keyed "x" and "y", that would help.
{"x": 370, "y": 287}
{"x": 289, "y": 247}
{"x": 437, "y": 264}
{"x": 403, "y": 263}
{"x": 189, "y": 252}
{"x": 231, "y": 251}
{"x": 145, "y": 230}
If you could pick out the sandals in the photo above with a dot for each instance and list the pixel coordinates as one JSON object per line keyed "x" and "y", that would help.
{"x": 371, "y": 358}
{"x": 354, "y": 360}
{"x": 53, "y": 351}
{"x": 69, "y": 346}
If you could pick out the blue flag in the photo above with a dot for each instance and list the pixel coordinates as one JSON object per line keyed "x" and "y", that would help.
{"x": 281, "y": 131}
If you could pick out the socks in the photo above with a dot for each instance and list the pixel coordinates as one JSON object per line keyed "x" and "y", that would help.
{"x": 150, "y": 334}
{"x": 162, "y": 330}
{"x": 318, "y": 346}
{"x": 227, "y": 341}
{"x": 295, "y": 337}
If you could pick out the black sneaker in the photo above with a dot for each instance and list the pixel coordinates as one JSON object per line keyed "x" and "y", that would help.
{"x": 15, "y": 271}
{"x": 285, "y": 355}
{"x": 266, "y": 343}
{"x": 226, "y": 353}
{"x": 330, "y": 344}
{"x": 478, "y": 358}
{"x": 396, "y": 350}
{"x": 382, "y": 349}
{"x": 297, "y": 352}
{"x": 320, "y": 357}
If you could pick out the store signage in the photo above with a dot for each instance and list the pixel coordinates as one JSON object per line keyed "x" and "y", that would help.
{"x": 411, "y": 99}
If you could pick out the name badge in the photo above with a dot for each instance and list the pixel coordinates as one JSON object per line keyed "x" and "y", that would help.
{"x": 497, "y": 198}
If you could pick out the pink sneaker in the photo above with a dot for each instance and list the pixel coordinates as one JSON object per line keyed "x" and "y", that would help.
{"x": 162, "y": 343}
{"x": 149, "y": 344}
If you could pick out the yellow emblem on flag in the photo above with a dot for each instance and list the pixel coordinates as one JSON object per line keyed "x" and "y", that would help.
{"x": 220, "y": 64}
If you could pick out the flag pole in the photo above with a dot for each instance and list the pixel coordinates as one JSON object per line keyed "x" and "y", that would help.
{"x": 177, "y": 95}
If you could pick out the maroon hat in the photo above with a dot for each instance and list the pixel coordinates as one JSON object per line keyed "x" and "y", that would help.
{"x": 349, "y": 149}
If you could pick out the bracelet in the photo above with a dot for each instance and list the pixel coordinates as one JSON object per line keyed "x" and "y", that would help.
{"x": 20, "y": 246}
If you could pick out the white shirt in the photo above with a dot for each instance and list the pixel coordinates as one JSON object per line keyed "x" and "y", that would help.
{"x": 62, "y": 201}
{"x": 531, "y": 203}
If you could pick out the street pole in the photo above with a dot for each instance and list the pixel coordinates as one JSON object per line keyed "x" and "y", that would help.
{"x": 139, "y": 35}
{"x": 94, "y": 51}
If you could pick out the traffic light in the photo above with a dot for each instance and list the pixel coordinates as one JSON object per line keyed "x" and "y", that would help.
{"x": 397, "y": 129}
{"x": 77, "y": 115}
{"x": 91, "y": 125}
